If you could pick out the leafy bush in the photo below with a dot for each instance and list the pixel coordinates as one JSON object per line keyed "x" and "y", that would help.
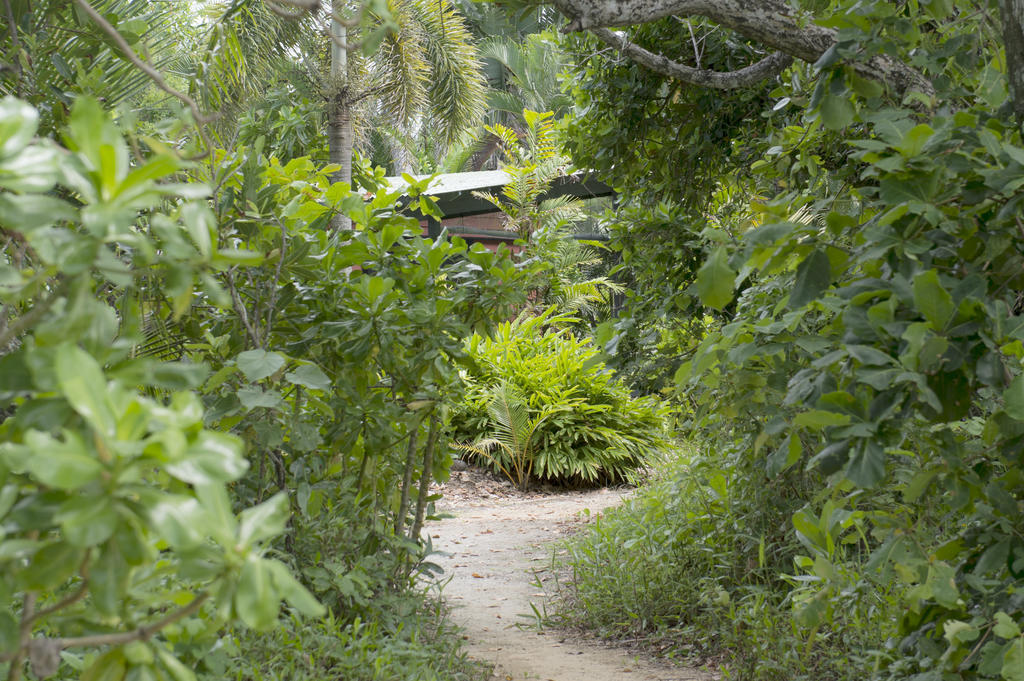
{"x": 408, "y": 637}
{"x": 691, "y": 566}
{"x": 585, "y": 425}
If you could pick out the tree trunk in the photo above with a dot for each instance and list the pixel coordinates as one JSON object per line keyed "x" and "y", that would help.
{"x": 1013, "y": 40}
{"x": 410, "y": 461}
{"x": 340, "y": 134}
{"x": 425, "y": 475}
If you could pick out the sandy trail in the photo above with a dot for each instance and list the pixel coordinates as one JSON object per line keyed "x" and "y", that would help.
{"x": 495, "y": 544}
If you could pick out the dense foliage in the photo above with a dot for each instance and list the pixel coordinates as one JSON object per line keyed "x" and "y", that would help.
{"x": 576, "y": 423}
{"x": 865, "y": 272}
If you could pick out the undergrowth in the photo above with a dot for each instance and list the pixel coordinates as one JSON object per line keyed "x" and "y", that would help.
{"x": 694, "y": 567}
{"x": 408, "y": 638}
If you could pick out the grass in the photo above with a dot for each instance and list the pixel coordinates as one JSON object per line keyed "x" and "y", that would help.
{"x": 692, "y": 569}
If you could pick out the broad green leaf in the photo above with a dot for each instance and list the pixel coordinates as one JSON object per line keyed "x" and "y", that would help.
{"x": 213, "y": 497}
{"x": 108, "y": 667}
{"x": 942, "y": 582}
{"x": 9, "y": 634}
{"x": 837, "y": 111}
{"x": 293, "y": 592}
{"x": 179, "y": 520}
{"x": 866, "y": 467}
{"x": 108, "y": 579}
{"x": 715, "y": 280}
{"x": 309, "y": 376}
{"x": 812, "y": 277}
{"x": 1013, "y": 661}
{"x": 915, "y": 139}
{"x": 51, "y": 566}
{"x": 264, "y": 521}
{"x": 1005, "y": 626}
{"x": 817, "y": 418}
{"x": 65, "y": 464}
{"x": 87, "y": 521}
{"x": 256, "y": 599}
{"x": 253, "y": 398}
{"x": 226, "y": 257}
{"x": 177, "y": 670}
{"x": 1014, "y": 398}
{"x": 213, "y": 457}
{"x": 785, "y": 456}
{"x": 259, "y": 364}
{"x": 18, "y": 123}
{"x": 932, "y": 300}
{"x": 201, "y": 226}
{"x": 82, "y": 382}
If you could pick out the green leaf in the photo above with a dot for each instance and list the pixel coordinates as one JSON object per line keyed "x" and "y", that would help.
{"x": 67, "y": 464}
{"x": 108, "y": 579}
{"x": 83, "y": 384}
{"x": 51, "y": 566}
{"x": 932, "y": 301}
{"x": 818, "y": 418}
{"x": 292, "y": 591}
{"x": 253, "y": 398}
{"x": 915, "y": 139}
{"x": 18, "y": 124}
{"x": 179, "y": 520}
{"x": 177, "y": 670}
{"x": 213, "y": 457}
{"x": 264, "y": 521}
{"x": 1013, "y": 661}
{"x": 1014, "y": 398}
{"x": 8, "y": 632}
{"x": 837, "y": 111}
{"x": 942, "y": 582}
{"x": 866, "y": 467}
{"x": 201, "y": 226}
{"x": 226, "y": 257}
{"x": 259, "y": 364}
{"x": 812, "y": 277}
{"x": 715, "y": 280}
{"x": 107, "y": 667}
{"x": 1005, "y": 626}
{"x": 309, "y": 376}
{"x": 256, "y": 600}
{"x": 87, "y": 521}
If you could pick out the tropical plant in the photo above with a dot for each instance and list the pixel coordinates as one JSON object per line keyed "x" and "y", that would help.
{"x": 532, "y": 163}
{"x": 515, "y": 431}
{"x": 118, "y": 527}
{"x": 557, "y": 409}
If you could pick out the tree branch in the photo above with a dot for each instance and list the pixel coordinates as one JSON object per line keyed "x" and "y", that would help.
{"x": 12, "y": 28}
{"x": 200, "y": 119}
{"x": 769, "y": 22}
{"x": 749, "y": 76}
{"x": 240, "y": 310}
{"x": 1012, "y": 14}
{"x": 26, "y": 320}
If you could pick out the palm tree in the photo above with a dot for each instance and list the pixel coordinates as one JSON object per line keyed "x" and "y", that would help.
{"x": 412, "y": 65}
{"x": 426, "y": 74}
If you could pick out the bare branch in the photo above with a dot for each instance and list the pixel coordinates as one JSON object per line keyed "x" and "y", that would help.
{"x": 749, "y": 76}
{"x": 240, "y": 310}
{"x": 200, "y": 119}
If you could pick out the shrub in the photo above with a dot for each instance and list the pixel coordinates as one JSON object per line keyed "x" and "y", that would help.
{"x": 691, "y": 567}
{"x": 583, "y": 424}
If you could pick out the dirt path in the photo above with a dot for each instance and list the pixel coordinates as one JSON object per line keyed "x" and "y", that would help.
{"x": 495, "y": 542}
